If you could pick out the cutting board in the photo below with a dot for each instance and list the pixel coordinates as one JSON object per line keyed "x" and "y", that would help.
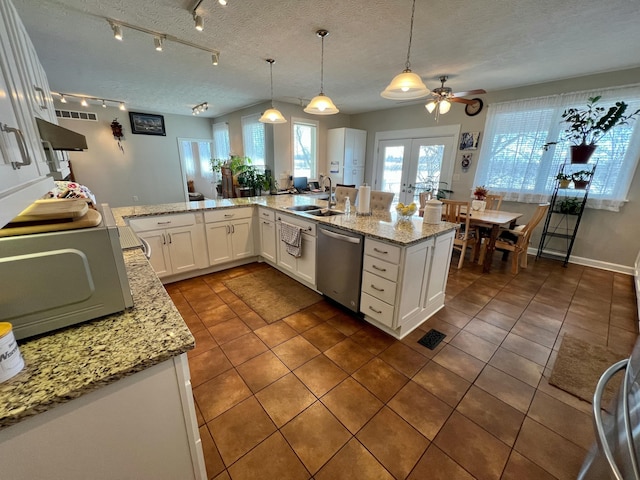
{"x": 90, "y": 219}
{"x": 53, "y": 209}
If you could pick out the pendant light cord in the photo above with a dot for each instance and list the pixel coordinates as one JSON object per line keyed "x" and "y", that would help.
{"x": 271, "y": 70}
{"x": 407, "y": 65}
{"x": 322, "y": 66}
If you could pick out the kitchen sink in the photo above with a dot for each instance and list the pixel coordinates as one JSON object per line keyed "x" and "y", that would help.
{"x": 324, "y": 213}
{"x": 303, "y": 208}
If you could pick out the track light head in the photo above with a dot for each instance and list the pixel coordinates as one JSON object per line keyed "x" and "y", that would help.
{"x": 215, "y": 58}
{"x": 104, "y": 105}
{"x": 63, "y": 99}
{"x": 222, "y": 2}
{"x": 157, "y": 41}
{"x": 84, "y": 102}
{"x": 198, "y": 21}
{"x": 117, "y": 31}
{"x": 122, "y": 107}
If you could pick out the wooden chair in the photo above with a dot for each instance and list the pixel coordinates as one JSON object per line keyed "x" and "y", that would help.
{"x": 465, "y": 236}
{"x": 424, "y": 196}
{"x": 517, "y": 240}
{"x": 381, "y": 201}
{"x": 494, "y": 202}
{"x": 342, "y": 193}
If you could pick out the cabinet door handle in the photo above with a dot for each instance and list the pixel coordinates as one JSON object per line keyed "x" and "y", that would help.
{"x": 376, "y": 288}
{"x": 374, "y": 310}
{"x": 229, "y": 215}
{"x": 22, "y": 145}
{"x": 265, "y": 222}
{"x": 228, "y": 229}
{"x": 43, "y": 105}
{"x": 378, "y": 268}
{"x": 376, "y": 249}
{"x": 164, "y": 239}
{"x": 169, "y": 235}
{"x": 233, "y": 229}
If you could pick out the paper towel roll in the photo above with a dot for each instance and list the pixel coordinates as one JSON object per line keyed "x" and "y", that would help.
{"x": 364, "y": 199}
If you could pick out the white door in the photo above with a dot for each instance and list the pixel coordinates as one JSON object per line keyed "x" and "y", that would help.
{"x": 407, "y": 167}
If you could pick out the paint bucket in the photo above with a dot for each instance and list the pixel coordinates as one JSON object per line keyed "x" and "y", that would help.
{"x": 11, "y": 361}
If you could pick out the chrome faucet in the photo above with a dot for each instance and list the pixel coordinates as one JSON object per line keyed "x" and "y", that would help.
{"x": 330, "y": 203}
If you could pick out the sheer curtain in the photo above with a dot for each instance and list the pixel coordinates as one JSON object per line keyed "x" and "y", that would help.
{"x": 253, "y": 140}
{"x": 221, "y": 146}
{"x": 513, "y": 162}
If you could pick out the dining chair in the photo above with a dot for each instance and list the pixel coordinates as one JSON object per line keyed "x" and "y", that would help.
{"x": 424, "y": 196}
{"x": 493, "y": 202}
{"x": 452, "y": 211}
{"x": 341, "y": 194}
{"x": 381, "y": 201}
{"x": 516, "y": 240}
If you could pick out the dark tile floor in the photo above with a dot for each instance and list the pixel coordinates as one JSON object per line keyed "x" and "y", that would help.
{"x": 321, "y": 394}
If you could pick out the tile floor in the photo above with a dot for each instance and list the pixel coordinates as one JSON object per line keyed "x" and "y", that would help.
{"x": 321, "y": 394}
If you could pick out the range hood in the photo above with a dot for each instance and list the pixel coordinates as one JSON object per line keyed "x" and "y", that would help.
{"x": 60, "y": 138}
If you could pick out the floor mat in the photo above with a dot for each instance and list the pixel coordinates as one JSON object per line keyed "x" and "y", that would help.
{"x": 272, "y": 294}
{"x": 432, "y": 339}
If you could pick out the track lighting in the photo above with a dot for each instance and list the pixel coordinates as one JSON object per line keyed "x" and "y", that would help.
{"x": 406, "y": 85}
{"x": 272, "y": 115}
{"x": 117, "y": 31}
{"x": 157, "y": 41}
{"x": 159, "y": 37}
{"x": 84, "y": 100}
{"x": 321, "y": 104}
{"x": 199, "y": 22}
{"x": 222, "y": 2}
{"x": 198, "y": 109}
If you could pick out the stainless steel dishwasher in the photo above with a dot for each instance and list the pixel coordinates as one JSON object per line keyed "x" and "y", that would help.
{"x": 339, "y": 265}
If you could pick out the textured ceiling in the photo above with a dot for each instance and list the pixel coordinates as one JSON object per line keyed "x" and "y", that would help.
{"x": 490, "y": 44}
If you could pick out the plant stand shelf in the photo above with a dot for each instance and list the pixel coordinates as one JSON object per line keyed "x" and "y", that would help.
{"x": 564, "y": 215}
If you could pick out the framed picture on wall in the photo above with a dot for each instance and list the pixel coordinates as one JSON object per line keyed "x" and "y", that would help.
{"x": 469, "y": 140}
{"x": 147, "y": 124}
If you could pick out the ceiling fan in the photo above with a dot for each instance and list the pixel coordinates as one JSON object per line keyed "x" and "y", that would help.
{"x": 443, "y": 96}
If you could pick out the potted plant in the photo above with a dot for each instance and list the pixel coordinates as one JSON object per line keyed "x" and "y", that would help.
{"x": 581, "y": 179}
{"x": 564, "y": 180}
{"x": 570, "y": 205}
{"x": 588, "y": 125}
{"x": 229, "y": 169}
{"x": 252, "y": 179}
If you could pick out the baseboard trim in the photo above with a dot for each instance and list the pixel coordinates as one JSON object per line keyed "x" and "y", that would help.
{"x": 587, "y": 262}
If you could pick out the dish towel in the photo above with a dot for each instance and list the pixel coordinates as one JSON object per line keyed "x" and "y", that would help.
{"x": 291, "y": 235}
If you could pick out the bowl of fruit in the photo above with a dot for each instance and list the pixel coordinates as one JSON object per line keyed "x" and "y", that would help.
{"x": 405, "y": 212}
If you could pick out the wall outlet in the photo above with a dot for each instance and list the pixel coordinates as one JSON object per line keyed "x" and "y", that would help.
{"x": 135, "y": 198}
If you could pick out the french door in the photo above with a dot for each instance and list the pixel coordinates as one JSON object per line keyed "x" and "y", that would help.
{"x": 408, "y": 166}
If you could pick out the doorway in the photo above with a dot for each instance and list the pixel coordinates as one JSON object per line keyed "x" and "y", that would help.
{"x": 408, "y": 164}
{"x": 195, "y": 162}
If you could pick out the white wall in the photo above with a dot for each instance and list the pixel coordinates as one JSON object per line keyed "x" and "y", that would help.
{"x": 149, "y": 167}
{"x": 603, "y": 236}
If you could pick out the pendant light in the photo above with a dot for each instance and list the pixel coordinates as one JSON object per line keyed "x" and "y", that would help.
{"x": 272, "y": 115}
{"x": 321, "y": 104}
{"x": 406, "y": 85}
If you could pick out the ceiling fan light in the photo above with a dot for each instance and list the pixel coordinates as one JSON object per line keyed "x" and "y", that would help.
{"x": 272, "y": 115}
{"x": 444, "y": 107}
{"x": 431, "y": 106}
{"x": 405, "y": 86}
{"x": 321, "y": 105}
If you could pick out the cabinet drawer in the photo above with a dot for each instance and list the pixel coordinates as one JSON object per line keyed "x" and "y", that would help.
{"x": 379, "y": 287}
{"x": 227, "y": 214}
{"x": 376, "y": 309}
{"x": 384, "y": 251}
{"x": 307, "y": 227}
{"x": 162, "y": 221}
{"x": 266, "y": 214}
{"x": 381, "y": 268}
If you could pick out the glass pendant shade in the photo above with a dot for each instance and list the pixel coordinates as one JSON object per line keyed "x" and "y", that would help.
{"x": 405, "y": 86}
{"x": 444, "y": 106}
{"x": 321, "y": 105}
{"x": 431, "y": 106}
{"x": 272, "y": 115}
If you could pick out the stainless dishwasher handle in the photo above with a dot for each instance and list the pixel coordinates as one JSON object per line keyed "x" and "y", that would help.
{"x": 146, "y": 248}
{"x": 597, "y": 415}
{"x": 338, "y": 236}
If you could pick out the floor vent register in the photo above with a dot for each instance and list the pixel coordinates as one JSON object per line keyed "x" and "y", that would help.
{"x": 431, "y": 339}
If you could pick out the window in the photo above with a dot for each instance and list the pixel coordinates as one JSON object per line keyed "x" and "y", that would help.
{"x": 514, "y": 163}
{"x": 253, "y": 140}
{"x": 221, "y": 146}
{"x": 305, "y": 149}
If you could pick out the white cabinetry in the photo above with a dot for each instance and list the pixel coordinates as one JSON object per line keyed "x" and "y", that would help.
{"x": 303, "y": 268}
{"x": 346, "y": 151}
{"x": 176, "y": 241}
{"x": 22, "y": 161}
{"x": 229, "y": 234}
{"x": 268, "y": 239}
{"x": 142, "y": 426}
{"x": 403, "y": 286}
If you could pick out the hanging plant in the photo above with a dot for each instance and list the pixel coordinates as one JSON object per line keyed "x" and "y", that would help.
{"x": 116, "y": 129}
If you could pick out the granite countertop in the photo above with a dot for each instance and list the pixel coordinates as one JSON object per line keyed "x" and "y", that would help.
{"x": 77, "y": 360}
{"x": 384, "y": 226}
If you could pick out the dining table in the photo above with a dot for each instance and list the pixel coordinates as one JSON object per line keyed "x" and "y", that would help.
{"x": 493, "y": 219}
